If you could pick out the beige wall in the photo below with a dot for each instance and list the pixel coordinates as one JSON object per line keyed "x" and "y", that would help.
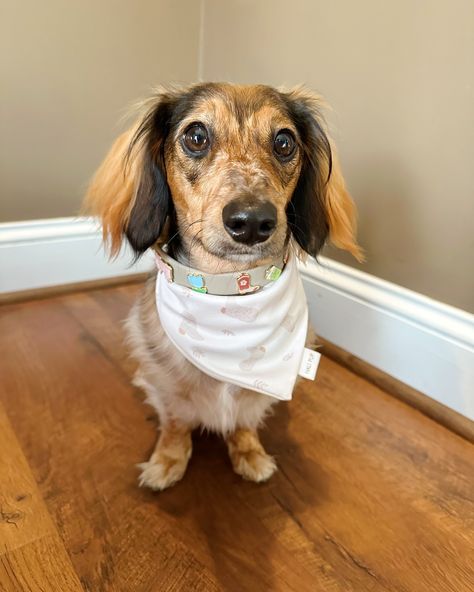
{"x": 400, "y": 77}
{"x": 68, "y": 71}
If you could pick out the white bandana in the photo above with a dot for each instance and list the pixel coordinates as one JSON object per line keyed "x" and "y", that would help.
{"x": 255, "y": 341}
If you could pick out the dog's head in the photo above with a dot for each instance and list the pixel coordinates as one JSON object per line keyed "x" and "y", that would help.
{"x": 231, "y": 170}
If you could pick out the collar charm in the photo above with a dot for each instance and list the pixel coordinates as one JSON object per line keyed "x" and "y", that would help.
{"x": 197, "y": 282}
{"x": 162, "y": 266}
{"x": 244, "y": 284}
{"x": 273, "y": 273}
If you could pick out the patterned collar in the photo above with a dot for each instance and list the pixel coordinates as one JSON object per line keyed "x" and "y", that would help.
{"x": 220, "y": 284}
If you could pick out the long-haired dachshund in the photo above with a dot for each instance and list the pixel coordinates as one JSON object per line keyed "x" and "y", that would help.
{"x": 229, "y": 185}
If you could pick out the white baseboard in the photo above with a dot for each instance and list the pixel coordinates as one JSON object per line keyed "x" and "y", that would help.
{"x": 44, "y": 253}
{"x": 419, "y": 341}
{"x": 423, "y": 343}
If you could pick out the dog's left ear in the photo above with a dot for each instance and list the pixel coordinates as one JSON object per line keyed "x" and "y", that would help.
{"x": 321, "y": 207}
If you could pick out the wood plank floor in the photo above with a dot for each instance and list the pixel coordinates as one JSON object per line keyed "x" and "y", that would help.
{"x": 370, "y": 495}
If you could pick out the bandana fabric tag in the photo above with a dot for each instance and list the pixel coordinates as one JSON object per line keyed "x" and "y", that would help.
{"x": 309, "y": 364}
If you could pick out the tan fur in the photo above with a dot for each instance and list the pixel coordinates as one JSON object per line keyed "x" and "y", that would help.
{"x": 112, "y": 190}
{"x": 169, "y": 460}
{"x": 248, "y": 456}
{"x": 183, "y": 396}
{"x": 341, "y": 212}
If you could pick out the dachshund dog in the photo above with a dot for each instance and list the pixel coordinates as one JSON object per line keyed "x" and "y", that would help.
{"x": 223, "y": 179}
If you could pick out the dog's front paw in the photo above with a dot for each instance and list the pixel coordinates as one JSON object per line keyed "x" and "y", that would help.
{"x": 159, "y": 475}
{"x": 248, "y": 456}
{"x": 253, "y": 465}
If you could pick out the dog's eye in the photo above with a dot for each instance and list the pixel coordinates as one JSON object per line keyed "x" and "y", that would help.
{"x": 196, "y": 139}
{"x": 284, "y": 144}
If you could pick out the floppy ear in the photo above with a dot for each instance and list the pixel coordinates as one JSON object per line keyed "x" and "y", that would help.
{"x": 320, "y": 208}
{"x": 341, "y": 212}
{"x": 130, "y": 192}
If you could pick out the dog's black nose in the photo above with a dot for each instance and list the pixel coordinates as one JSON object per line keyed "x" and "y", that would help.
{"x": 248, "y": 221}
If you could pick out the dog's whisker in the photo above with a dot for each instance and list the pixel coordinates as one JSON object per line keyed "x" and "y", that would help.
{"x": 195, "y": 237}
{"x": 184, "y": 230}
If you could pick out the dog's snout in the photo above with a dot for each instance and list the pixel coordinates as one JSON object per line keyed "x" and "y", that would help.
{"x": 249, "y": 222}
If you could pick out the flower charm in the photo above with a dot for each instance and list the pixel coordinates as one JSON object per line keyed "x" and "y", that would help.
{"x": 244, "y": 284}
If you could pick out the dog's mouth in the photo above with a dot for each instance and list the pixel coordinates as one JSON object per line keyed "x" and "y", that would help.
{"x": 247, "y": 255}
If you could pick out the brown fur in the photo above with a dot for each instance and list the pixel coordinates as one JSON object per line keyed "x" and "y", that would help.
{"x": 148, "y": 169}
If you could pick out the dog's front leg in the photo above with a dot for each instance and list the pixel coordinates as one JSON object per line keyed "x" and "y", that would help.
{"x": 248, "y": 456}
{"x": 169, "y": 460}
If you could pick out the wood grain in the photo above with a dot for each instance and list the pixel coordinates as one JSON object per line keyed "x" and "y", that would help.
{"x": 32, "y": 555}
{"x": 40, "y": 566}
{"x": 371, "y": 494}
{"x": 23, "y": 515}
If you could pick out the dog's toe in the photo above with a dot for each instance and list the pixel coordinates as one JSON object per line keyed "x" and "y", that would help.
{"x": 254, "y": 465}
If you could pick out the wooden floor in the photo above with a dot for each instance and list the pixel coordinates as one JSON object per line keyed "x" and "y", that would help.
{"x": 370, "y": 495}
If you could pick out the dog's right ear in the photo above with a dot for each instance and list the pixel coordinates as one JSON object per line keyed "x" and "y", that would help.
{"x": 321, "y": 207}
{"x": 129, "y": 192}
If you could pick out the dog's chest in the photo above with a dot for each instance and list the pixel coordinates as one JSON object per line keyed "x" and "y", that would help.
{"x": 221, "y": 407}
{"x": 218, "y": 407}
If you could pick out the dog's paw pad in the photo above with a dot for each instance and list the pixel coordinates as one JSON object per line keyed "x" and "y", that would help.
{"x": 160, "y": 475}
{"x": 254, "y": 465}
